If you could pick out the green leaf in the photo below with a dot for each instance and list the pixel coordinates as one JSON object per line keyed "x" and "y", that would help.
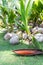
{"x": 36, "y": 44}
{"x": 11, "y": 16}
{"x": 4, "y": 10}
{"x": 5, "y": 3}
{"x": 29, "y": 8}
{"x": 22, "y": 8}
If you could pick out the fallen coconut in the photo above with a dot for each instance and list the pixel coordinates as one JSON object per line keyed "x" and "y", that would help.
{"x": 34, "y": 30}
{"x": 37, "y": 30}
{"x": 19, "y": 33}
{"x": 39, "y": 37}
{"x": 7, "y": 36}
{"x": 14, "y": 40}
{"x": 13, "y": 34}
{"x": 25, "y": 36}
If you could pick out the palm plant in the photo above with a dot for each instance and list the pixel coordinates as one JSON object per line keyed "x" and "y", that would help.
{"x": 36, "y": 12}
{"x": 11, "y": 19}
{"x": 25, "y": 12}
{"x": 4, "y": 14}
{"x": 7, "y": 15}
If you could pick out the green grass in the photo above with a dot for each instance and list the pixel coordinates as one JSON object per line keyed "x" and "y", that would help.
{"x": 7, "y": 57}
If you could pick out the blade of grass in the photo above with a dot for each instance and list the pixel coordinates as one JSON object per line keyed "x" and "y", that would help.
{"x": 36, "y": 43}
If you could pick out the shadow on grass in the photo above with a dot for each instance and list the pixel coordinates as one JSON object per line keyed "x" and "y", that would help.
{"x": 16, "y": 55}
{"x": 23, "y": 55}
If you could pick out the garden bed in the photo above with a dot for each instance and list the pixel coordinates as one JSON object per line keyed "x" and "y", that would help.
{"x": 21, "y": 27}
{"x": 7, "y": 57}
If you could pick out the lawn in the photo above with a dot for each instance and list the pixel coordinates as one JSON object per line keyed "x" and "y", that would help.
{"x": 7, "y": 57}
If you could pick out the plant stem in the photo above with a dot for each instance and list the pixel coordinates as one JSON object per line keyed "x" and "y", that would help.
{"x": 27, "y": 29}
{"x": 12, "y": 30}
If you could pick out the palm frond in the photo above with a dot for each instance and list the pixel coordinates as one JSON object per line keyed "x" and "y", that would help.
{"x": 4, "y": 3}
{"x": 29, "y": 8}
{"x": 36, "y": 43}
{"x": 11, "y": 16}
{"x": 22, "y": 8}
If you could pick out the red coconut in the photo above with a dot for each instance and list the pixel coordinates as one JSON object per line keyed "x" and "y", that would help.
{"x": 28, "y": 52}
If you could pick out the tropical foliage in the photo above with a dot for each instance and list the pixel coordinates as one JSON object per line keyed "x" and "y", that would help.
{"x": 7, "y": 15}
{"x": 20, "y": 14}
{"x": 36, "y": 14}
{"x": 25, "y": 12}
